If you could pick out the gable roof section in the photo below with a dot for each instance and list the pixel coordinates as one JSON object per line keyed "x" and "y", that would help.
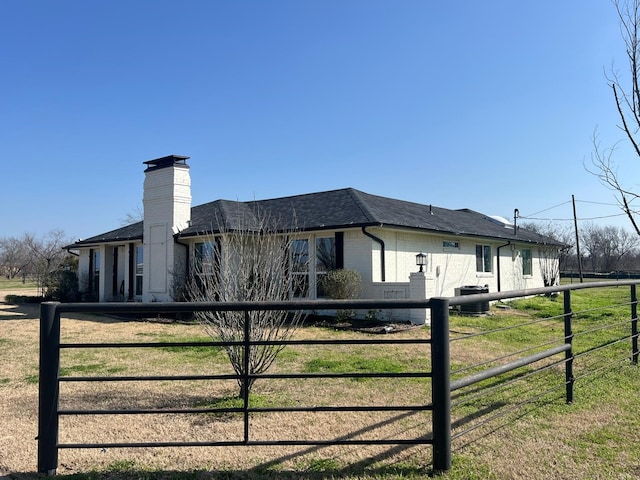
{"x": 334, "y": 209}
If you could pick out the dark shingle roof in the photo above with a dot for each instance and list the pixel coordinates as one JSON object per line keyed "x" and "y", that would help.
{"x": 127, "y": 233}
{"x": 334, "y": 209}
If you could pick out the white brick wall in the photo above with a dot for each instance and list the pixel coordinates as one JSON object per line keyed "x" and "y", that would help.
{"x": 447, "y": 268}
{"x": 167, "y": 210}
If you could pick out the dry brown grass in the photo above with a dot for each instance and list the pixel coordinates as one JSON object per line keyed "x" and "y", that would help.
{"x": 19, "y": 357}
{"x": 555, "y": 441}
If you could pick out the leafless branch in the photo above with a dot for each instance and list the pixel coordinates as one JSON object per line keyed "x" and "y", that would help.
{"x": 249, "y": 263}
{"x": 626, "y": 96}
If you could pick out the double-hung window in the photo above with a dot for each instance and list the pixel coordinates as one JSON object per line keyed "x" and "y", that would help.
{"x": 483, "y": 259}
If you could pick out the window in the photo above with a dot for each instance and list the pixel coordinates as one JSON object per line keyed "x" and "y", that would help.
{"x": 527, "y": 265}
{"x": 451, "y": 244}
{"x": 483, "y": 258}
{"x": 96, "y": 273}
{"x": 205, "y": 255}
{"x": 300, "y": 267}
{"x": 139, "y": 268}
{"x": 325, "y": 260}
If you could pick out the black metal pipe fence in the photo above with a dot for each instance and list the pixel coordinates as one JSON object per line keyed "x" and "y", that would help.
{"x": 440, "y": 371}
{"x": 594, "y": 340}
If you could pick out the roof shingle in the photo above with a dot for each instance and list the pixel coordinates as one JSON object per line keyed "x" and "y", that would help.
{"x": 334, "y": 209}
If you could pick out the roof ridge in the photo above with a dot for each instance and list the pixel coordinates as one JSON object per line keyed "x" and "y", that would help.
{"x": 298, "y": 195}
{"x": 357, "y": 195}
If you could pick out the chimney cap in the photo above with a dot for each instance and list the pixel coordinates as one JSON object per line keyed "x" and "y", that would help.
{"x": 168, "y": 161}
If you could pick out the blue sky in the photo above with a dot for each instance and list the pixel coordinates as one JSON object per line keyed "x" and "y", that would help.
{"x": 485, "y": 105}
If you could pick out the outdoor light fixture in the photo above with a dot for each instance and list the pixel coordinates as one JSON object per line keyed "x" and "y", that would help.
{"x": 421, "y": 260}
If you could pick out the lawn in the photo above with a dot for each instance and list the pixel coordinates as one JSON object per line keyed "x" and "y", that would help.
{"x": 16, "y": 283}
{"x": 595, "y": 437}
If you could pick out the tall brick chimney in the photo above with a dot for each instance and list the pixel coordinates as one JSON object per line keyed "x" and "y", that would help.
{"x": 167, "y": 210}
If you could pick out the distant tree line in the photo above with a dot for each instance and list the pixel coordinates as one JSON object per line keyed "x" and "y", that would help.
{"x": 43, "y": 261}
{"x": 603, "y": 249}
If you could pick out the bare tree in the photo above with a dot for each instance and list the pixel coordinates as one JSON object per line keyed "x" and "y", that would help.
{"x": 247, "y": 263}
{"x": 626, "y": 94}
{"x": 607, "y": 246}
{"x": 553, "y": 250}
{"x": 549, "y": 262}
{"x": 134, "y": 216}
{"x": 15, "y": 257}
{"x": 47, "y": 254}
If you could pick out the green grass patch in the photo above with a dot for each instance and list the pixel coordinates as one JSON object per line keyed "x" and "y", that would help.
{"x": 288, "y": 355}
{"x": 121, "y": 466}
{"x": 86, "y": 369}
{"x": 540, "y": 306}
{"x": 193, "y": 354}
{"x": 203, "y": 349}
{"x": 319, "y": 465}
{"x": 202, "y": 352}
{"x": 82, "y": 369}
{"x": 353, "y": 363}
{"x": 16, "y": 283}
{"x": 467, "y": 468}
{"x": 233, "y": 402}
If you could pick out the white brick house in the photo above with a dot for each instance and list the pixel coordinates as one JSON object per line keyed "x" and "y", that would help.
{"x": 377, "y": 236}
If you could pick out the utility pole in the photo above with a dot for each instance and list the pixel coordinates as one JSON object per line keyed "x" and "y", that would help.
{"x": 575, "y": 225}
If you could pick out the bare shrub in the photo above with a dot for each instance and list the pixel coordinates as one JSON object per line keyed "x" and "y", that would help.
{"x": 249, "y": 262}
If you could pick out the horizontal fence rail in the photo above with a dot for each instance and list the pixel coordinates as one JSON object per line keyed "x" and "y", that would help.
{"x": 50, "y": 379}
{"x": 503, "y": 371}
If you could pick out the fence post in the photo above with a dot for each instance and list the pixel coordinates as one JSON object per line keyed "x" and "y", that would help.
{"x": 634, "y": 325}
{"x": 568, "y": 338}
{"x": 246, "y": 378}
{"x": 440, "y": 385}
{"x": 48, "y": 388}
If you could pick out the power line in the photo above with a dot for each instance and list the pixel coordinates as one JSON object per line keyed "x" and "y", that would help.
{"x": 546, "y": 209}
{"x": 601, "y": 217}
{"x": 598, "y": 203}
{"x": 571, "y": 219}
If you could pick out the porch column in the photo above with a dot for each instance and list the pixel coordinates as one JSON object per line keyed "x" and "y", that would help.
{"x": 418, "y": 291}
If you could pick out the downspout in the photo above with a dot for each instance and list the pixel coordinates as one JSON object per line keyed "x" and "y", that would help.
{"x": 381, "y": 242}
{"x": 498, "y": 254}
